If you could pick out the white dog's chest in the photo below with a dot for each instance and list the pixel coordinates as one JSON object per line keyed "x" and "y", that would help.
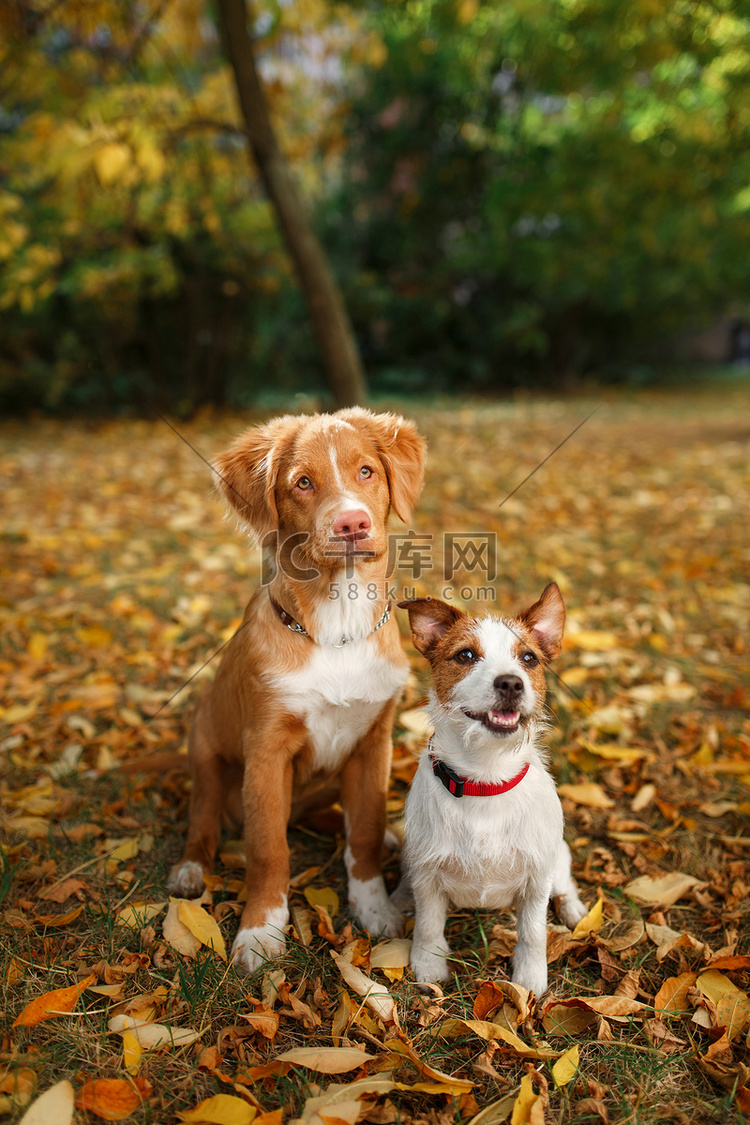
{"x": 482, "y": 851}
{"x": 339, "y": 694}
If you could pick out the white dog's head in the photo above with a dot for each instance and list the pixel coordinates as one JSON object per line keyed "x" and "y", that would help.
{"x": 488, "y": 673}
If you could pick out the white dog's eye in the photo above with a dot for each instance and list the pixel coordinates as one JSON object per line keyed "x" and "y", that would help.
{"x": 529, "y": 659}
{"x": 365, "y": 472}
{"x": 304, "y": 483}
{"x": 465, "y": 656}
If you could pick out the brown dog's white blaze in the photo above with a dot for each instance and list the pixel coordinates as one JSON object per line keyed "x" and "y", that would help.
{"x": 290, "y": 719}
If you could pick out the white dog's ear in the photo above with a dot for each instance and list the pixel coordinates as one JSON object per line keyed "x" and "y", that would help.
{"x": 546, "y": 619}
{"x": 401, "y": 450}
{"x": 246, "y": 473}
{"x": 430, "y": 619}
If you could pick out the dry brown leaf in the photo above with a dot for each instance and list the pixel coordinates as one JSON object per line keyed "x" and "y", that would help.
{"x": 661, "y": 890}
{"x": 375, "y": 995}
{"x": 326, "y": 1060}
{"x": 672, "y": 998}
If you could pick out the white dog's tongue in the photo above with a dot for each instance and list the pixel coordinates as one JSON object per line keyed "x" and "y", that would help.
{"x": 503, "y": 718}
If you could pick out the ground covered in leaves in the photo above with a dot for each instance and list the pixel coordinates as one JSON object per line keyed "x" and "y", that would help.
{"x": 120, "y": 578}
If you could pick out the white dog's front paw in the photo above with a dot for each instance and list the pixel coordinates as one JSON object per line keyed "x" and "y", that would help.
{"x": 186, "y": 880}
{"x": 430, "y": 966}
{"x": 374, "y": 910}
{"x": 254, "y": 945}
{"x": 571, "y": 910}
{"x": 530, "y": 973}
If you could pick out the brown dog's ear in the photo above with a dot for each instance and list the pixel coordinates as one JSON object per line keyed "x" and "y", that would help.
{"x": 546, "y": 619}
{"x": 430, "y": 619}
{"x": 246, "y": 473}
{"x": 401, "y": 450}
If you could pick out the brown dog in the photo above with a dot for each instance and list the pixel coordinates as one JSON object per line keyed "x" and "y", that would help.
{"x": 303, "y": 702}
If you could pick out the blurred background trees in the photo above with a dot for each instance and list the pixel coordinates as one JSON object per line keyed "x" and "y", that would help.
{"x": 508, "y": 191}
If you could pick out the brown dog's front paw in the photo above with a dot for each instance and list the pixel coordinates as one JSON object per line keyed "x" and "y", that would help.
{"x": 186, "y": 880}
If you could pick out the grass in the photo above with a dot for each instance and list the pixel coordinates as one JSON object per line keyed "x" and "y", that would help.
{"x": 120, "y": 579}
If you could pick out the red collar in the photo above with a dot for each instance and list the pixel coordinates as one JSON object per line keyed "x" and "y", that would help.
{"x": 459, "y": 786}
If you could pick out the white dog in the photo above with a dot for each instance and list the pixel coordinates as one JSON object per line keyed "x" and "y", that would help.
{"x": 484, "y": 824}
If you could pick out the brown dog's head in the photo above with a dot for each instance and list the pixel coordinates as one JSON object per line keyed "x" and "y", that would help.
{"x": 327, "y": 481}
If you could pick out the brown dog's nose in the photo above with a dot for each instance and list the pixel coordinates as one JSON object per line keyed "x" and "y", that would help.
{"x": 352, "y": 525}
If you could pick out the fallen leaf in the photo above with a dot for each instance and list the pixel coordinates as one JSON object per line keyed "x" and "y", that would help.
{"x": 588, "y": 793}
{"x": 151, "y": 1035}
{"x": 591, "y": 921}
{"x": 375, "y": 995}
{"x": 54, "y": 1107}
{"x": 221, "y": 1109}
{"x": 672, "y": 997}
{"x": 327, "y": 1060}
{"x": 59, "y": 1002}
{"x": 323, "y": 896}
{"x": 565, "y": 1068}
{"x": 139, "y": 914}
{"x": 440, "y": 1082}
{"x": 525, "y": 1103}
{"x": 202, "y": 926}
{"x": 394, "y": 954}
{"x": 112, "y": 1099}
{"x": 62, "y": 891}
{"x": 177, "y": 934}
{"x": 487, "y": 1031}
{"x": 661, "y": 890}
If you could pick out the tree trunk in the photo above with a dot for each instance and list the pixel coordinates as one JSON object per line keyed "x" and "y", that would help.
{"x": 332, "y": 325}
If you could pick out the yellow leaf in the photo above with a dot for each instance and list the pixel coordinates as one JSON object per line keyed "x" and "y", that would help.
{"x": 95, "y": 636}
{"x": 131, "y": 1052}
{"x": 612, "y": 752}
{"x": 222, "y": 1109}
{"x": 588, "y": 793}
{"x": 591, "y": 921}
{"x": 592, "y": 640}
{"x": 120, "y": 850}
{"x": 54, "y": 1107}
{"x": 177, "y": 934}
{"x": 139, "y": 914}
{"x": 327, "y": 1060}
{"x": 111, "y": 161}
{"x": 202, "y": 925}
{"x": 37, "y": 647}
{"x": 323, "y": 896}
{"x": 525, "y": 1102}
{"x": 566, "y": 1066}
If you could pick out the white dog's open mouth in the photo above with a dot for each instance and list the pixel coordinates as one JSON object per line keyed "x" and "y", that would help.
{"x": 500, "y": 722}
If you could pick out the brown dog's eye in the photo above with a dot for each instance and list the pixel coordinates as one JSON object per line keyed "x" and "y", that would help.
{"x": 465, "y": 656}
{"x": 365, "y": 471}
{"x": 529, "y": 659}
{"x": 304, "y": 483}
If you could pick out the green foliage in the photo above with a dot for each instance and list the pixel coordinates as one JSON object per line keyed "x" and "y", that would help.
{"x": 508, "y": 189}
{"x": 543, "y": 185}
